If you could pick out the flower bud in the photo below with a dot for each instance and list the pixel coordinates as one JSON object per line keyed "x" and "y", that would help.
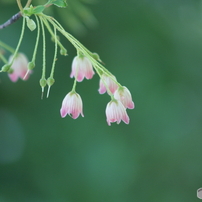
{"x": 96, "y": 57}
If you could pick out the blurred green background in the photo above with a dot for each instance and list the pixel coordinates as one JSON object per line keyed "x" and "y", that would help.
{"x": 155, "y": 49}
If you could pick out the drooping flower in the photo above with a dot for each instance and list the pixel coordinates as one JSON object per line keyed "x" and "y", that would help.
{"x": 72, "y": 105}
{"x": 19, "y": 67}
{"x": 115, "y": 112}
{"x": 106, "y": 80}
{"x": 124, "y": 95}
{"x": 81, "y": 68}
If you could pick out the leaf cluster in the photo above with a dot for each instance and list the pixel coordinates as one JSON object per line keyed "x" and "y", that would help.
{"x": 39, "y": 9}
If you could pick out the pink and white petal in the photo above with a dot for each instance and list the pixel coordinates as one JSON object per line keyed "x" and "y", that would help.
{"x": 63, "y": 112}
{"x": 131, "y": 105}
{"x": 123, "y": 94}
{"x": 113, "y": 87}
{"x": 88, "y": 68}
{"x": 126, "y": 118}
{"x": 89, "y": 73}
{"x": 72, "y": 74}
{"x": 75, "y": 113}
{"x": 102, "y": 88}
{"x": 13, "y": 77}
{"x": 80, "y": 76}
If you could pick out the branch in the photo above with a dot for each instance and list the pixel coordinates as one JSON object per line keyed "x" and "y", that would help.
{"x": 11, "y": 20}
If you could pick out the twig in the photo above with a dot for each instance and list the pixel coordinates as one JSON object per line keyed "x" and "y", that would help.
{"x": 11, "y": 20}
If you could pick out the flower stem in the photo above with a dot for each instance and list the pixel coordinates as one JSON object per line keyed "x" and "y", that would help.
{"x": 3, "y": 58}
{"x": 74, "y": 85}
{"x": 44, "y": 50}
{"x": 97, "y": 66}
{"x": 19, "y": 42}
{"x": 7, "y": 47}
{"x": 55, "y": 55}
{"x": 43, "y": 79}
{"x": 80, "y": 48}
{"x": 37, "y": 39}
{"x": 32, "y": 65}
{"x": 28, "y": 3}
{"x": 20, "y": 5}
{"x": 51, "y": 80}
{"x": 52, "y": 34}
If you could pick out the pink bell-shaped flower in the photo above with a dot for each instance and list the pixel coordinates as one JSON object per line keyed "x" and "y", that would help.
{"x": 82, "y": 68}
{"x": 115, "y": 112}
{"x": 72, "y": 105}
{"x": 124, "y": 95}
{"x": 107, "y": 81}
{"x": 19, "y": 67}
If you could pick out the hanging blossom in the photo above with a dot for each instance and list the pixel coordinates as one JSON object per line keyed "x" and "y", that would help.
{"x": 116, "y": 112}
{"x": 19, "y": 67}
{"x": 82, "y": 68}
{"x": 84, "y": 65}
{"x": 124, "y": 95}
{"x": 109, "y": 82}
{"x": 72, "y": 105}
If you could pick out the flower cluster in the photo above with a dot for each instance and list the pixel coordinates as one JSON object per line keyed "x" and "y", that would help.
{"x": 84, "y": 65}
{"x": 116, "y": 108}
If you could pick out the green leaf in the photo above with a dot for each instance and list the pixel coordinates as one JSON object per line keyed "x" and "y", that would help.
{"x": 59, "y": 3}
{"x": 33, "y": 10}
{"x": 38, "y": 9}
